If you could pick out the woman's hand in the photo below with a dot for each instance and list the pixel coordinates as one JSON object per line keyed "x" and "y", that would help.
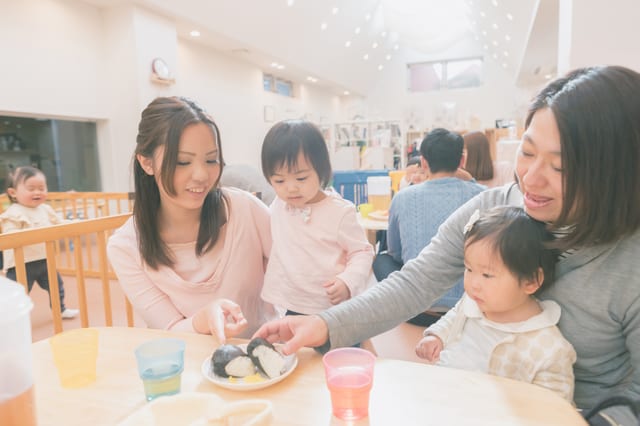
{"x": 296, "y": 331}
{"x": 222, "y": 318}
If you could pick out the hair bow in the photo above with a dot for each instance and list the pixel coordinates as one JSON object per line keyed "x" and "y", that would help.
{"x": 472, "y": 220}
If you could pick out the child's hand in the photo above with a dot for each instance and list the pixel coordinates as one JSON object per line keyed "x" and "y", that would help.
{"x": 337, "y": 291}
{"x": 225, "y": 319}
{"x": 429, "y": 348}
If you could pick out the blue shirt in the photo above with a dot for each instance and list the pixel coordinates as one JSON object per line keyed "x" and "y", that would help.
{"x": 417, "y": 212}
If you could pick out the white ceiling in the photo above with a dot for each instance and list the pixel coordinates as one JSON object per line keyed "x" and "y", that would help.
{"x": 351, "y": 44}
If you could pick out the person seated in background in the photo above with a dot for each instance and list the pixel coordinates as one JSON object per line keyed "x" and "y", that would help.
{"x": 414, "y": 173}
{"x": 248, "y": 178}
{"x": 480, "y": 165}
{"x": 417, "y": 212}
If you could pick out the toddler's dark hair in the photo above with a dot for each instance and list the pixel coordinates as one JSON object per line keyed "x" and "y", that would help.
{"x": 521, "y": 241}
{"x": 286, "y": 139}
{"x": 20, "y": 175}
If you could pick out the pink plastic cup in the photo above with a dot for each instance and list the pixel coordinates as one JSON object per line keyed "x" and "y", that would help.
{"x": 349, "y": 375}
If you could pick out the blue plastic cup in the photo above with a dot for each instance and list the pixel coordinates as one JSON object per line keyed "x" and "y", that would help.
{"x": 160, "y": 365}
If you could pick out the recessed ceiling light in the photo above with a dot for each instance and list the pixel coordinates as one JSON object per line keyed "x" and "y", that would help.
{"x": 195, "y": 33}
{"x": 323, "y": 26}
{"x": 483, "y": 14}
{"x": 494, "y": 2}
{"x": 280, "y": 67}
{"x": 334, "y": 11}
{"x": 547, "y": 76}
{"x": 506, "y": 53}
{"x": 504, "y": 65}
{"x": 495, "y": 56}
{"x": 383, "y": 34}
{"x": 367, "y": 17}
{"x": 357, "y": 30}
{"x": 495, "y": 26}
{"x": 486, "y": 47}
{"x": 388, "y": 57}
{"x": 507, "y": 37}
{"x": 290, "y": 2}
{"x": 374, "y": 45}
{"x": 312, "y": 79}
{"x": 396, "y": 46}
{"x": 380, "y": 67}
{"x": 509, "y": 16}
{"x": 365, "y": 57}
{"x": 494, "y": 42}
{"x": 347, "y": 43}
{"x": 274, "y": 64}
{"x": 484, "y": 33}
{"x": 346, "y": 93}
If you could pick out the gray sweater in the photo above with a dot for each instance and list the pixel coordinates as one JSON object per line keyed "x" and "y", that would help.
{"x": 598, "y": 289}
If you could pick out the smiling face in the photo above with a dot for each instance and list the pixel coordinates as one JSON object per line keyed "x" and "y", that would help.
{"x": 31, "y": 192}
{"x": 497, "y": 291}
{"x": 197, "y": 168}
{"x": 297, "y": 186}
{"x": 539, "y": 167}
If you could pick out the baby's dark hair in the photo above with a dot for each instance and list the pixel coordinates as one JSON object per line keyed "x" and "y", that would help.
{"x": 286, "y": 139}
{"x": 20, "y": 175}
{"x": 521, "y": 241}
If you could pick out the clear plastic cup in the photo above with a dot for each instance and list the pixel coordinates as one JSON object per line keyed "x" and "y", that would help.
{"x": 75, "y": 353}
{"x": 160, "y": 365}
{"x": 349, "y": 375}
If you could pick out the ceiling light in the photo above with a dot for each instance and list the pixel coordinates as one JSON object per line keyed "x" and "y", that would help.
{"x": 290, "y": 2}
{"x": 347, "y": 43}
{"x": 334, "y": 11}
{"x": 494, "y": 2}
{"x": 380, "y": 67}
{"x": 312, "y": 79}
{"x": 383, "y": 34}
{"x": 504, "y": 65}
{"x": 346, "y": 93}
{"x": 547, "y": 76}
{"x": 323, "y": 26}
{"x": 396, "y": 47}
{"x": 357, "y": 30}
{"x": 483, "y": 14}
{"x": 486, "y": 47}
{"x": 495, "y": 26}
{"x": 274, "y": 64}
{"x": 495, "y": 56}
{"x": 367, "y": 17}
{"x": 195, "y": 33}
{"x": 280, "y": 67}
{"x": 494, "y": 42}
{"x": 506, "y": 53}
{"x": 374, "y": 45}
{"x": 366, "y": 57}
{"x": 509, "y": 16}
{"x": 388, "y": 57}
{"x": 484, "y": 33}
{"x": 507, "y": 37}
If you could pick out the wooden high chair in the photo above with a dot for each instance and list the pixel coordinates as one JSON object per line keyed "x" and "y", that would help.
{"x": 86, "y": 236}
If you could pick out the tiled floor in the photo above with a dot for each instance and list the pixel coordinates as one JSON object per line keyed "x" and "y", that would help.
{"x": 41, "y": 320}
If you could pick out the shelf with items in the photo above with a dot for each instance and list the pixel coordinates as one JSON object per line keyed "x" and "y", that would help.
{"x": 379, "y": 143}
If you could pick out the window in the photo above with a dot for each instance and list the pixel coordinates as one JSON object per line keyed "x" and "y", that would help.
{"x": 458, "y": 74}
{"x": 277, "y": 85}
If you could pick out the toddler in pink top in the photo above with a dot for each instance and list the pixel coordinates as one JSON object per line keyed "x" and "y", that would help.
{"x": 320, "y": 255}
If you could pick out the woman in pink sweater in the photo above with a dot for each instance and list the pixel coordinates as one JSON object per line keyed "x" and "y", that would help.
{"x": 193, "y": 256}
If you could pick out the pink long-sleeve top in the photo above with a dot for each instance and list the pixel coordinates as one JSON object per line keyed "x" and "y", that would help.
{"x": 167, "y": 298}
{"x": 312, "y": 246}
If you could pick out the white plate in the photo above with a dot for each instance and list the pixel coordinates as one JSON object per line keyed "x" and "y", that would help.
{"x": 379, "y": 215}
{"x": 291, "y": 362}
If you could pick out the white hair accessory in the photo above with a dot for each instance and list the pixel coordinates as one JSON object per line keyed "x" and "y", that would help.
{"x": 472, "y": 220}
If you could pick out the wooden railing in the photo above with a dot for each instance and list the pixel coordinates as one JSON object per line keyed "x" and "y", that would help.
{"x": 79, "y": 240}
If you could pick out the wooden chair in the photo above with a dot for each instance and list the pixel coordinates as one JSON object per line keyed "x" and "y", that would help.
{"x": 87, "y": 236}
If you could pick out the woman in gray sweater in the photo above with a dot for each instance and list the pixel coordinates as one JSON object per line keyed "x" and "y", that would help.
{"x": 578, "y": 169}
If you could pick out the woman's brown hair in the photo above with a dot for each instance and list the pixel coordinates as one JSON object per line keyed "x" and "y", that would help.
{"x": 161, "y": 124}
{"x": 597, "y": 110}
{"x": 478, "y": 162}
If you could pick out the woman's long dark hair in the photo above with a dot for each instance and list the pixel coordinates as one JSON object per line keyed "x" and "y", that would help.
{"x": 162, "y": 124}
{"x": 598, "y": 115}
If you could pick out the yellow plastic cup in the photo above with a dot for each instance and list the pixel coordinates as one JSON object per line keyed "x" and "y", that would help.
{"x": 365, "y": 209}
{"x": 75, "y": 353}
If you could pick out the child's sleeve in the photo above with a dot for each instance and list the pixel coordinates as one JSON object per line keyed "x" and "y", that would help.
{"x": 359, "y": 253}
{"x": 556, "y": 373}
{"x": 445, "y": 327}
